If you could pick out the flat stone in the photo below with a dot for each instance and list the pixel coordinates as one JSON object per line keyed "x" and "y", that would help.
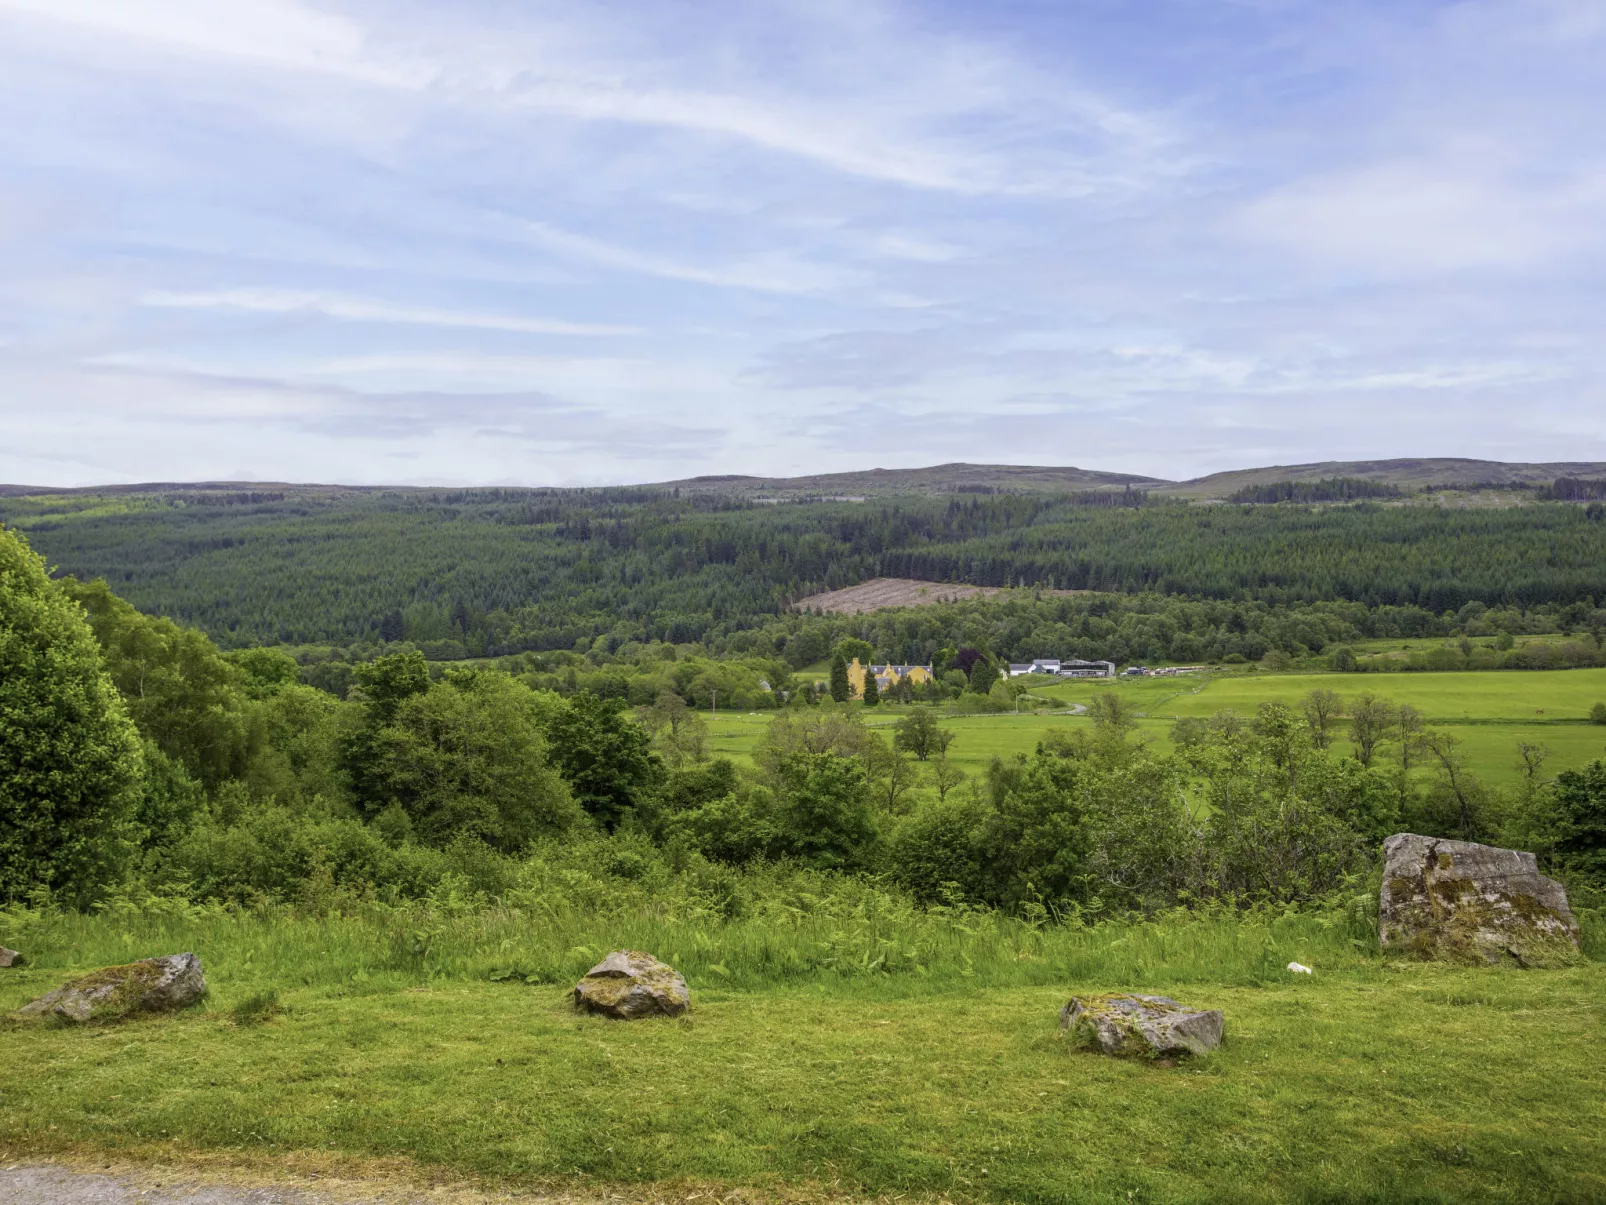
{"x": 628, "y": 984}
{"x": 153, "y": 985}
{"x": 9, "y": 958}
{"x": 1457, "y": 901}
{"x": 1157, "y": 1026}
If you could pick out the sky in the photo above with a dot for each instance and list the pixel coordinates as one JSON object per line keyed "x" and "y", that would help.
{"x": 504, "y": 242}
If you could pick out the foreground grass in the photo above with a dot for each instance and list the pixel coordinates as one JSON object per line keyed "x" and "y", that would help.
{"x": 1371, "y": 1081}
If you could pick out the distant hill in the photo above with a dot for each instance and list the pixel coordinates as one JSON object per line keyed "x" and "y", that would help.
{"x": 941, "y": 478}
{"x": 961, "y": 478}
{"x": 1408, "y": 474}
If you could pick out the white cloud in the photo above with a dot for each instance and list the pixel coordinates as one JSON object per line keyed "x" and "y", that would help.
{"x": 363, "y": 309}
{"x": 1399, "y": 217}
{"x": 269, "y": 33}
{"x": 774, "y": 272}
{"x": 923, "y": 129}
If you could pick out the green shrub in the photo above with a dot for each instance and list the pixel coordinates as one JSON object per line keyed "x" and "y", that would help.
{"x": 935, "y": 852}
{"x": 1597, "y": 714}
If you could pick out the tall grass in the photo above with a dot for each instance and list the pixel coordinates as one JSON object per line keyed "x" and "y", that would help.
{"x": 548, "y": 919}
{"x": 858, "y": 940}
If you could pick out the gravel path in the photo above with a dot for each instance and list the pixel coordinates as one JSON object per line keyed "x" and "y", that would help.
{"x": 56, "y": 1184}
{"x": 53, "y": 1184}
{"x": 60, "y": 1186}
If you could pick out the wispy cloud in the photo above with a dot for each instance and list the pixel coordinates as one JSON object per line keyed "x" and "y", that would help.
{"x": 775, "y": 272}
{"x": 363, "y": 309}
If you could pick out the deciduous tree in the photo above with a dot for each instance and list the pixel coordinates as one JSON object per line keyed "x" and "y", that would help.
{"x": 70, "y": 762}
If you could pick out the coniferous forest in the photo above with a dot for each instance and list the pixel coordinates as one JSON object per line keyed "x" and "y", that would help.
{"x": 503, "y": 571}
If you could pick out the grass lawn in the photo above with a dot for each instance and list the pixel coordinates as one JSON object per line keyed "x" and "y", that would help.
{"x": 1373, "y": 1082}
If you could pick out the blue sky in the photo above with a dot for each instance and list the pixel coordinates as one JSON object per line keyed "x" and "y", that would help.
{"x": 575, "y": 243}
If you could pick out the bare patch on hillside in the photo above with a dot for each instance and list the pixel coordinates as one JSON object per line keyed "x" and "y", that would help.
{"x": 881, "y": 592}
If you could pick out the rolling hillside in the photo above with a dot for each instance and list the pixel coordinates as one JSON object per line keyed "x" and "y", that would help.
{"x": 1407, "y": 474}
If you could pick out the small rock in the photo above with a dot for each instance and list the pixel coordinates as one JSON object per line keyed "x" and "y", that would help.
{"x": 1299, "y": 968}
{"x": 1149, "y": 1025}
{"x": 1457, "y": 901}
{"x": 9, "y": 958}
{"x": 155, "y": 985}
{"x": 629, "y": 984}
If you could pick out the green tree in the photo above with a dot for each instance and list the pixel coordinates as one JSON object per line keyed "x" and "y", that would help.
{"x": 983, "y": 675}
{"x": 1581, "y": 804}
{"x": 841, "y": 691}
{"x": 1343, "y": 659}
{"x": 1036, "y": 838}
{"x": 1111, "y": 714}
{"x": 1323, "y": 709}
{"x": 467, "y": 758}
{"x": 604, "y": 756}
{"x": 678, "y": 733}
{"x": 824, "y": 810}
{"x": 1597, "y": 714}
{"x": 920, "y": 735}
{"x": 852, "y": 647}
{"x": 1370, "y": 722}
{"x": 267, "y": 671}
{"x": 382, "y": 686}
{"x": 936, "y": 852}
{"x": 180, "y": 691}
{"x": 872, "y": 692}
{"x": 70, "y": 764}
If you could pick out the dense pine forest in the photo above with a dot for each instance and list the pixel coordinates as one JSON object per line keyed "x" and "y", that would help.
{"x": 502, "y": 571}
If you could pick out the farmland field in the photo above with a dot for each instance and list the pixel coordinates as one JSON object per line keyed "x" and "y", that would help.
{"x": 1491, "y": 713}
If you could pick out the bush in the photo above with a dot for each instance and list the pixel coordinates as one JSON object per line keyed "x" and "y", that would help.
{"x": 935, "y": 853}
{"x": 1597, "y": 714}
{"x": 275, "y": 855}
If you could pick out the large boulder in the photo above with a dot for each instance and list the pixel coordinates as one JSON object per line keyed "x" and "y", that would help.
{"x": 1156, "y": 1026}
{"x": 155, "y": 985}
{"x": 9, "y": 958}
{"x": 628, "y": 984}
{"x": 1457, "y": 901}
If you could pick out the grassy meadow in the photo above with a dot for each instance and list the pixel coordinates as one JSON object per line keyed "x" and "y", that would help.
{"x": 1492, "y": 713}
{"x": 808, "y": 1069}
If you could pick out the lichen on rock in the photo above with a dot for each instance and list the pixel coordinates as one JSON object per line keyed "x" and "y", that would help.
{"x": 1457, "y": 901}
{"x": 152, "y": 985}
{"x": 628, "y": 984}
{"x": 1157, "y": 1026}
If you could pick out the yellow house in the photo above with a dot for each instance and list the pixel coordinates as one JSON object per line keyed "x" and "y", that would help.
{"x": 886, "y": 676}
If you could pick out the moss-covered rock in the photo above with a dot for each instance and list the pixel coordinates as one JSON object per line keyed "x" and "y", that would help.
{"x": 1156, "y": 1026}
{"x": 154, "y": 985}
{"x": 628, "y": 984}
{"x": 1457, "y": 901}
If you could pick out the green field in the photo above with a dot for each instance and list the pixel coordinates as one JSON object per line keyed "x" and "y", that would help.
{"x": 1491, "y": 713}
{"x": 1507, "y": 696}
{"x": 806, "y": 1076}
